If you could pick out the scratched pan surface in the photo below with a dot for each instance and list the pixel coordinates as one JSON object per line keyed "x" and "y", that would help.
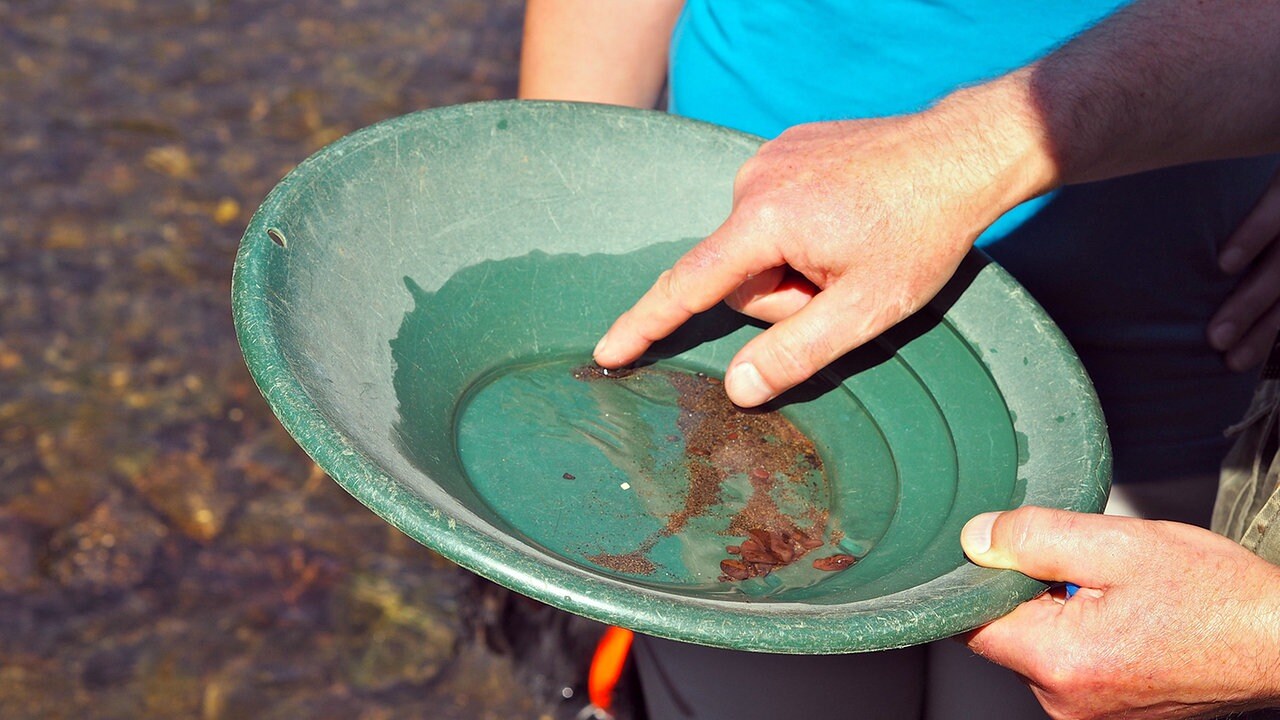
{"x": 417, "y": 302}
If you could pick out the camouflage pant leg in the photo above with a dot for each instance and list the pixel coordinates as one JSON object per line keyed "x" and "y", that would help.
{"x": 1248, "y": 505}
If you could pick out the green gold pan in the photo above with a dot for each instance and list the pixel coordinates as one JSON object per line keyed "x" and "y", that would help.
{"x": 417, "y": 301}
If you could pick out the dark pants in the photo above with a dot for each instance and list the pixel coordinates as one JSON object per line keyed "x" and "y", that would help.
{"x": 682, "y": 681}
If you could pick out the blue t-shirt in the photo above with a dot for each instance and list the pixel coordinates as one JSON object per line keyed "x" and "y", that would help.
{"x": 1127, "y": 267}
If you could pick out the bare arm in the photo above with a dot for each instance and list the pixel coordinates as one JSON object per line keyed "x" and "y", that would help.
{"x": 609, "y": 51}
{"x": 840, "y": 230}
{"x": 1159, "y": 83}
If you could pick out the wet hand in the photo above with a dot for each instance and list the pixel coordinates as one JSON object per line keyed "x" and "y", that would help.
{"x": 838, "y": 231}
{"x": 1171, "y": 620}
{"x": 1246, "y": 324}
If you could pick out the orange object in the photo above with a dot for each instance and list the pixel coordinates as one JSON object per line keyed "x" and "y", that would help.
{"x": 606, "y": 666}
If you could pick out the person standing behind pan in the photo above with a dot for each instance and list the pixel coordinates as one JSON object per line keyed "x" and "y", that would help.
{"x": 1127, "y": 266}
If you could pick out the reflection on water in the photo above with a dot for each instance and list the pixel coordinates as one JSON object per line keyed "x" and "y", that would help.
{"x": 166, "y": 550}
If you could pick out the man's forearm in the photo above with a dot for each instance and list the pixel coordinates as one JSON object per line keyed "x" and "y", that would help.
{"x": 876, "y": 215}
{"x": 610, "y": 51}
{"x": 1160, "y": 83}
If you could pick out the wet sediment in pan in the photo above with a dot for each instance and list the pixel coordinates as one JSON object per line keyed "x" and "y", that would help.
{"x": 723, "y": 441}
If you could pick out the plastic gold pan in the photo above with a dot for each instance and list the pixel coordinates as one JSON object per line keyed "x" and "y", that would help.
{"x": 412, "y": 300}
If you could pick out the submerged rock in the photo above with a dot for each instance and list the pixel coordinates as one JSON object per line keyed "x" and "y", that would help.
{"x": 111, "y": 550}
{"x": 18, "y": 570}
{"x": 183, "y": 487}
{"x": 394, "y": 631}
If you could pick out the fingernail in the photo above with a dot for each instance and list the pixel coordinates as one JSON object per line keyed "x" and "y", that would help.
{"x": 600, "y": 346}
{"x": 1222, "y": 334}
{"x": 975, "y": 538}
{"x": 1230, "y": 261}
{"x": 746, "y": 387}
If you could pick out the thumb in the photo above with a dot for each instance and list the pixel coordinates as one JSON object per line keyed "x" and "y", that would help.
{"x": 835, "y": 321}
{"x": 1053, "y": 545}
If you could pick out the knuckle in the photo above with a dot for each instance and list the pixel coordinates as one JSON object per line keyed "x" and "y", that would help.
{"x": 792, "y": 358}
{"x": 1064, "y": 524}
{"x": 805, "y": 350}
{"x": 785, "y": 360}
{"x": 748, "y": 169}
{"x": 1044, "y": 533}
{"x": 762, "y": 212}
{"x": 703, "y": 256}
{"x": 1136, "y": 538}
{"x": 1058, "y": 676}
{"x": 665, "y": 284}
{"x": 819, "y": 351}
{"x": 1024, "y": 524}
{"x": 670, "y": 287}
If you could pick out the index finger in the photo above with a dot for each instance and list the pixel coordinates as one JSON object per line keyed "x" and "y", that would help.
{"x": 701, "y": 278}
